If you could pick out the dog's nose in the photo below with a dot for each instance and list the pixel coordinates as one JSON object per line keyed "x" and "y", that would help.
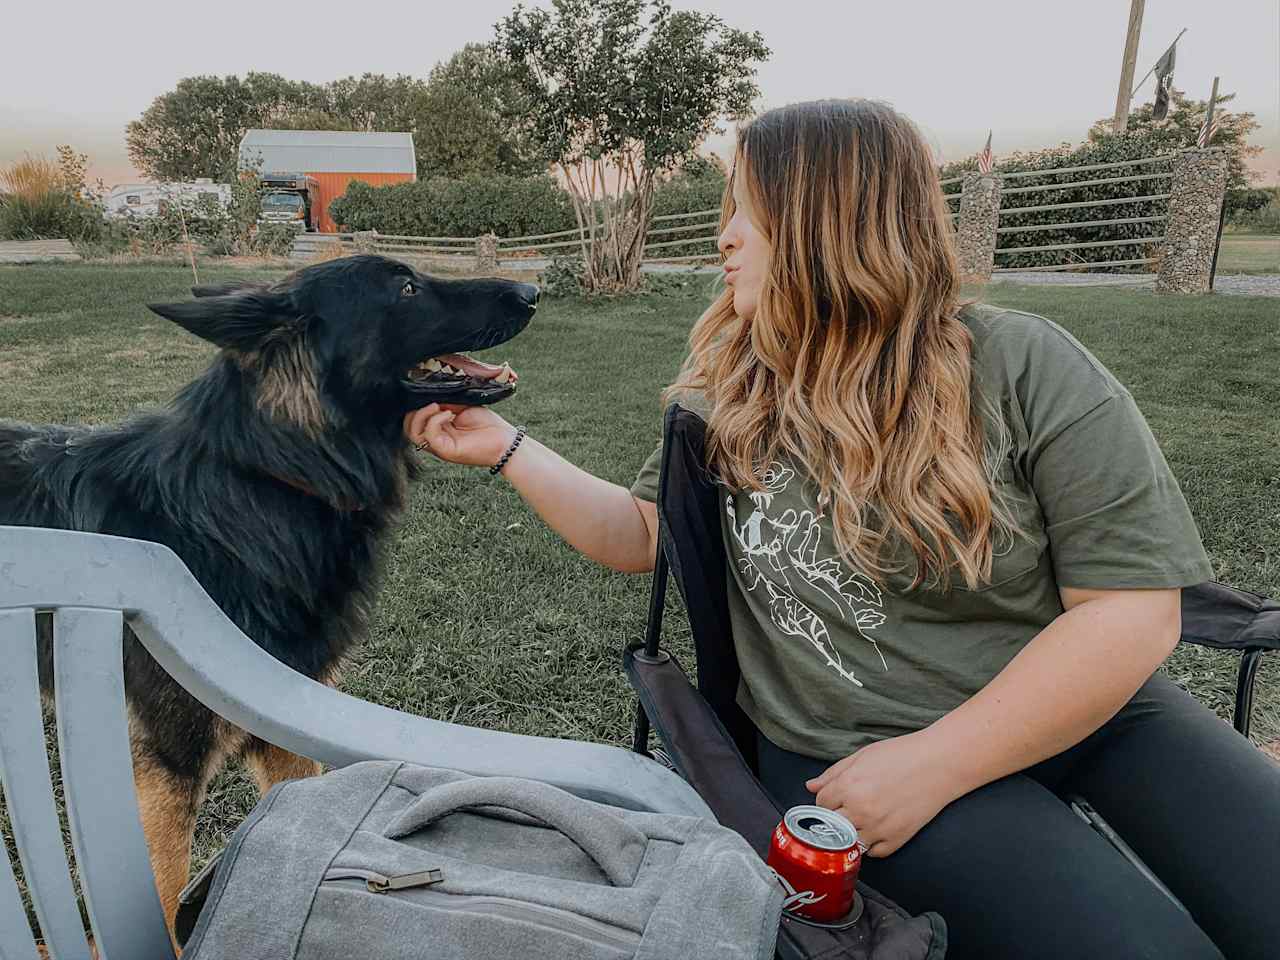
{"x": 528, "y": 293}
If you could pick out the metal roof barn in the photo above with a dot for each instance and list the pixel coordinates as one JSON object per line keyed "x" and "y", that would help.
{"x": 333, "y": 157}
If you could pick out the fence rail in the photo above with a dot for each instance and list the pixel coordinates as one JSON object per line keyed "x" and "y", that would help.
{"x": 1088, "y": 264}
{"x": 1081, "y": 223}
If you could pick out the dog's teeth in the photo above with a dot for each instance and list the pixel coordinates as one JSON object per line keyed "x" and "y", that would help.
{"x": 505, "y": 374}
{"x": 433, "y": 365}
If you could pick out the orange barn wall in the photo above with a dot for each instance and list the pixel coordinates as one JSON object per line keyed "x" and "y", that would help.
{"x": 334, "y": 185}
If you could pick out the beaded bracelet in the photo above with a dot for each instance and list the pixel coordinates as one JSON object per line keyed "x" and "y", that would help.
{"x": 497, "y": 467}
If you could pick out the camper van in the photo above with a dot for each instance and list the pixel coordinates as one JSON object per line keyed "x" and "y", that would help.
{"x": 144, "y": 199}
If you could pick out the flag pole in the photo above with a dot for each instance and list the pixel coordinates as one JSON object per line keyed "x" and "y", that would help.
{"x": 1222, "y": 212}
{"x": 1134, "y": 91}
{"x": 1125, "y": 94}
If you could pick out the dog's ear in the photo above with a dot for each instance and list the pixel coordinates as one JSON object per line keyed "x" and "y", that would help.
{"x": 223, "y": 289}
{"x": 237, "y": 321}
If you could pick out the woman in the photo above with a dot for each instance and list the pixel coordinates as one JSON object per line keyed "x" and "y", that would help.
{"x": 957, "y": 553}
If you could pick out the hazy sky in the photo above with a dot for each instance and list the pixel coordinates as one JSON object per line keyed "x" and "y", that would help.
{"x": 1036, "y": 72}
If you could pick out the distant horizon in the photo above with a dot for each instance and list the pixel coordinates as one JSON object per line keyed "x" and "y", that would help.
{"x": 973, "y": 67}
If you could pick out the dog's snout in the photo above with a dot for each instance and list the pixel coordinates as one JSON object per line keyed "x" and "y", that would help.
{"x": 528, "y": 294}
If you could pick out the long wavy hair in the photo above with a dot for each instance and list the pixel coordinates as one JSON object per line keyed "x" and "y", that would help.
{"x": 855, "y": 366}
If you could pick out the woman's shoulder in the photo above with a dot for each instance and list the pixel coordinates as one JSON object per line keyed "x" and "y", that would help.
{"x": 1037, "y": 365}
{"x": 1014, "y": 345}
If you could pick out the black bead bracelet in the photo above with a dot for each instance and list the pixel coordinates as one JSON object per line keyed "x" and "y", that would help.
{"x": 497, "y": 467}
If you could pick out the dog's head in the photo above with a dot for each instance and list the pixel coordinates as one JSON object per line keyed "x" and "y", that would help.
{"x": 364, "y": 333}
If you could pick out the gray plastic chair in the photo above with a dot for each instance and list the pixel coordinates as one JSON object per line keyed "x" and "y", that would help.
{"x": 95, "y": 584}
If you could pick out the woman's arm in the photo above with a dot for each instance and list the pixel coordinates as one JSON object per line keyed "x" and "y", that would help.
{"x": 598, "y": 519}
{"x": 1062, "y": 686}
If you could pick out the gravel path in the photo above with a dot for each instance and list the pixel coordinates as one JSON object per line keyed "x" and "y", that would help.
{"x": 1265, "y": 285}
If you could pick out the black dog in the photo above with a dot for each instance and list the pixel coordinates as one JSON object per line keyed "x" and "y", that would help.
{"x": 273, "y": 476}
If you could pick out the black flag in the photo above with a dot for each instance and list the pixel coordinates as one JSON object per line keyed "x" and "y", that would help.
{"x": 1164, "y": 82}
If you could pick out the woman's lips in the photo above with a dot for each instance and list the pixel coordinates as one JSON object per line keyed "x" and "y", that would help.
{"x": 729, "y": 273}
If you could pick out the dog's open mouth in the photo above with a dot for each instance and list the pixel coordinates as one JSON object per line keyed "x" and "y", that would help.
{"x": 457, "y": 378}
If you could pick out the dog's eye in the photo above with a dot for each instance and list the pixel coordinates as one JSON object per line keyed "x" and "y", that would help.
{"x": 407, "y": 289}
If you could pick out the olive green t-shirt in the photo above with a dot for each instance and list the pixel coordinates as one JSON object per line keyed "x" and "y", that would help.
{"x": 833, "y": 660}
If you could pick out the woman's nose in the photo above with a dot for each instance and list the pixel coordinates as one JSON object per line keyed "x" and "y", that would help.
{"x": 724, "y": 242}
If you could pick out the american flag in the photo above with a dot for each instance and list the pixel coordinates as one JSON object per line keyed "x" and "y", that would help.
{"x": 1207, "y": 130}
{"x": 984, "y": 158}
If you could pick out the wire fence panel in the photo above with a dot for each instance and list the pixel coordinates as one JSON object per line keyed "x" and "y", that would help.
{"x": 1084, "y": 203}
{"x": 1080, "y": 246}
{"x": 1081, "y": 223}
{"x": 1073, "y": 184}
{"x": 1086, "y": 265}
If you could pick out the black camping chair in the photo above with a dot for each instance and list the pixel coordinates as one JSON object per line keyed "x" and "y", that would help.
{"x": 709, "y": 741}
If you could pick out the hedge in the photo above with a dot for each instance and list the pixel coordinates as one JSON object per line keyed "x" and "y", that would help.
{"x": 438, "y": 207}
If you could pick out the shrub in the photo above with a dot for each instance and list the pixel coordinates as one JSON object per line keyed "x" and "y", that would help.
{"x": 563, "y": 278}
{"x": 1255, "y": 211}
{"x": 506, "y": 206}
{"x": 47, "y": 200}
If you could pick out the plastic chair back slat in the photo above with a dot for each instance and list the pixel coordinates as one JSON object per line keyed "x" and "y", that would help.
{"x": 97, "y": 776}
{"x": 28, "y": 790}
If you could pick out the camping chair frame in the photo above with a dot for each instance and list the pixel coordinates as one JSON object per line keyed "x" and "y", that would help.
{"x": 96, "y": 585}
{"x": 709, "y": 740}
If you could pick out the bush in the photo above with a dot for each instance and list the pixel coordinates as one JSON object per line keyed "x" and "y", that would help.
{"x": 1254, "y": 211}
{"x": 49, "y": 201}
{"x": 506, "y": 206}
{"x": 563, "y": 278}
{"x": 1110, "y": 150}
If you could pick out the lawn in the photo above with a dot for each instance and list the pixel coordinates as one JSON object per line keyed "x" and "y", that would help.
{"x": 486, "y": 618}
{"x": 1249, "y": 253}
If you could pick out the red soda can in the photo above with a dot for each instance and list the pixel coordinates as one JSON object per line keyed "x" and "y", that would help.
{"x": 816, "y": 856}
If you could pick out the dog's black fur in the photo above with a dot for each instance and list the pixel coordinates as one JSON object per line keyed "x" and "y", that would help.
{"x": 273, "y": 475}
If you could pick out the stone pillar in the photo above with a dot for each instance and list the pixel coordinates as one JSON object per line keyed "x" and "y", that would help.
{"x": 487, "y": 253}
{"x": 976, "y": 231}
{"x": 363, "y": 240}
{"x": 1199, "y": 186}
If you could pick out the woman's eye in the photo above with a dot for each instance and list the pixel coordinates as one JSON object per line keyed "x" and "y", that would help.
{"x": 407, "y": 289}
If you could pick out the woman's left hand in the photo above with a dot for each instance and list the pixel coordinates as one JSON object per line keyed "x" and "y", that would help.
{"x": 889, "y": 790}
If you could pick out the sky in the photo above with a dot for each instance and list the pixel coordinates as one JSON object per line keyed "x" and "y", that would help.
{"x": 1036, "y": 73}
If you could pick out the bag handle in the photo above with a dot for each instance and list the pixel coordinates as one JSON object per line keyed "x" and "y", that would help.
{"x": 614, "y": 845}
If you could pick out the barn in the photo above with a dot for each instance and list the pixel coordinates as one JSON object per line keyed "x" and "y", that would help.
{"x": 333, "y": 157}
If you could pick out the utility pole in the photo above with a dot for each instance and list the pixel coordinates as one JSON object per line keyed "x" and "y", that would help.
{"x": 1127, "y": 65}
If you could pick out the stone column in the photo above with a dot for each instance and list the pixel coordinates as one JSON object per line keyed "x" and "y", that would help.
{"x": 976, "y": 232}
{"x": 487, "y": 253}
{"x": 1199, "y": 185}
{"x": 363, "y": 240}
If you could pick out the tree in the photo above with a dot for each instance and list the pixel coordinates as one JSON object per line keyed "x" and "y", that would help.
{"x": 195, "y": 129}
{"x": 1181, "y": 127}
{"x": 619, "y": 92}
{"x": 477, "y": 97}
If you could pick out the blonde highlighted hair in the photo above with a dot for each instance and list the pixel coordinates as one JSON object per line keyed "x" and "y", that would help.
{"x": 855, "y": 366}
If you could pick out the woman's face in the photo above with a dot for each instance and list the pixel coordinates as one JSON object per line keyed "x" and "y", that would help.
{"x": 745, "y": 250}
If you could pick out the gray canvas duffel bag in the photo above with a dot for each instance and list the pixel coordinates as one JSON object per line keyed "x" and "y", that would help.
{"x": 391, "y": 861}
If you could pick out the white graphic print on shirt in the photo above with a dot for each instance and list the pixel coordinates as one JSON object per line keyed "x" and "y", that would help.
{"x": 774, "y": 547}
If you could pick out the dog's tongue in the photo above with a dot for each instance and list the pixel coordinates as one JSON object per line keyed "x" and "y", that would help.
{"x": 472, "y": 368}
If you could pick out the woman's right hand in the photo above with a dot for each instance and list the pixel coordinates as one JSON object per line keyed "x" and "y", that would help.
{"x": 473, "y": 436}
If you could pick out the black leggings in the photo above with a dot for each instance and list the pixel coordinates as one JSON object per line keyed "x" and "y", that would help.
{"x": 1016, "y": 873}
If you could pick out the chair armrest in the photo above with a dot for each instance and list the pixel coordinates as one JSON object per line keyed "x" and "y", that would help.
{"x": 191, "y": 638}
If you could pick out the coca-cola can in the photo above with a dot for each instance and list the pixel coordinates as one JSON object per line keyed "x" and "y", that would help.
{"x": 816, "y": 856}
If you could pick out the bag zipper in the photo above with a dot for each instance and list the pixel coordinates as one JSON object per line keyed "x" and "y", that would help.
{"x": 562, "y": 920}
{"x": 381, "y": 883}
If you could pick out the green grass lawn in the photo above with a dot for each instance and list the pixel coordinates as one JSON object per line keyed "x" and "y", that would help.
{"x": 1249, "y": 253}
{"x": 486, "y": 618}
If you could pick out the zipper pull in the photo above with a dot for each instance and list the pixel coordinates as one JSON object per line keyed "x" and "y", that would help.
{"x": 404, "y": 881}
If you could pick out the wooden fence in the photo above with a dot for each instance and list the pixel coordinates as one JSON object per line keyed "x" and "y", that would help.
{"x": 1011, "y": 225}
